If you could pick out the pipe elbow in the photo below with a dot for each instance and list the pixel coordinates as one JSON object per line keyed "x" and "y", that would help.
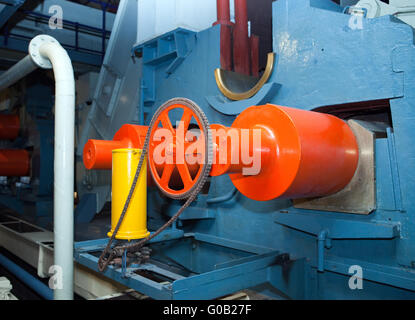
{"x": 322, "y": 236}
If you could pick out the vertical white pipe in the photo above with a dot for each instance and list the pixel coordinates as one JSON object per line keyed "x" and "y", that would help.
{"x": 45, "y": 52}
{"x": 63, "y": 200}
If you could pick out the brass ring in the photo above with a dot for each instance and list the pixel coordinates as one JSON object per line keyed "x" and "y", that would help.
{"x": 250, "y": 93}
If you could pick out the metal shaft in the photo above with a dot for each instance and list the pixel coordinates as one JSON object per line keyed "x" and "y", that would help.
{"x": 17, "y": 72}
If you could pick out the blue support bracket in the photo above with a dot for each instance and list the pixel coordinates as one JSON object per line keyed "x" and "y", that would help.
{"x": 198, "y": 210}
{"x": 323, "y": 241}
{"x": 171, "y": 48}
{"x": 192, "y": 213}
{"x": 326, "y": 229}
{"x": 338, "y": 228}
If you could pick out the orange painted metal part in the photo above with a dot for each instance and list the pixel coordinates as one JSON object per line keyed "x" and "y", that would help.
{"x": 9, "y": 126}
{"x": 176, "y": 172}
{"x": 98, "y": 153}
{"x": 231, "y": 150}
{"x": 307, "y": 154}
{"x": 303, "y": 154}
{"x": 14, "y": 163}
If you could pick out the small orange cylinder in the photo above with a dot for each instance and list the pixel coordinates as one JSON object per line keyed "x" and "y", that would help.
{"x": 14, "y": 163}
{"x": 97, "y": 154}
{"x": 9, "y": 126}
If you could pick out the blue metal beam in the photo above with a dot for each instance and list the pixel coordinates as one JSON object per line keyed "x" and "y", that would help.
{"x": 390, "y": 275}
{"x": 338, "y": 228}
{"x": 22, "y": 45}
{"x": 12, "y": 2}
{"x": 9, "y": 10}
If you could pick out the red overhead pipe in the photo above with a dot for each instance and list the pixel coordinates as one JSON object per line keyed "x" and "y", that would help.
{"x": 254, "y": 43}
{"x": 224, "y": 19}
{"x": 224, "y": 13}
{"x": 241, "y": 50}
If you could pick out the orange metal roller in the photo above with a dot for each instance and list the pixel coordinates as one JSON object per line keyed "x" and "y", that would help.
{"x": 307, "y": 154}
{"x": 14, "y": 163}
{"x": 98, "y": 153}
{"x": 9, "y": 126}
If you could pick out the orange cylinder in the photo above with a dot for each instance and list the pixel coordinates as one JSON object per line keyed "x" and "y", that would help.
{"x": 9, "y": 126}
{"x": 97, "y": 154}
{"x": 307, "y": 154}
{"x": 14, "y": 163}
{"x": 233, "y": 149}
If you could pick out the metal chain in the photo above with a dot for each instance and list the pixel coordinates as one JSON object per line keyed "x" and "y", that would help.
{"x": 107, "y": 254}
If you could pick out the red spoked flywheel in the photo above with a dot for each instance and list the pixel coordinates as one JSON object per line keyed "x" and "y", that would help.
{"x": 180, "y": 148}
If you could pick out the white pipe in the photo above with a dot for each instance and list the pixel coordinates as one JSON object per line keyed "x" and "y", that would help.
{"x": 45, "y": 52}
{"x": 63, "y": 197}
{"x": 17, "y": 72}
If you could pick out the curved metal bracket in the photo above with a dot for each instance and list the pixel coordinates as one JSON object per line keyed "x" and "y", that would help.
{"x": 267, "y": 92}
{"x": 220, "y": 81}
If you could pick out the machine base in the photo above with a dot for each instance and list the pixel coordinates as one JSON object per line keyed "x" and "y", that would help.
{"x": 198, "y": 275}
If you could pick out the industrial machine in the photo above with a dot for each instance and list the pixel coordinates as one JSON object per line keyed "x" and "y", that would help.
{"x": 294, "y": 180}
{"x": 328, "y": 201}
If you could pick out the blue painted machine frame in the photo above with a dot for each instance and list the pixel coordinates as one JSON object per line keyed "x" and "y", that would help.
{"x": 229, "y": 276}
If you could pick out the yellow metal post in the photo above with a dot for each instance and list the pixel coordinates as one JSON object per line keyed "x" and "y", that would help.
{"x": 124, "y": 166}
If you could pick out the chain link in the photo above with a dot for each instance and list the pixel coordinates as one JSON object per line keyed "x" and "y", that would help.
{"x": 108, "y": 254}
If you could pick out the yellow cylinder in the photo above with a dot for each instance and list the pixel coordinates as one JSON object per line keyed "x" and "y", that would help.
{"x": 124, "y": 166}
